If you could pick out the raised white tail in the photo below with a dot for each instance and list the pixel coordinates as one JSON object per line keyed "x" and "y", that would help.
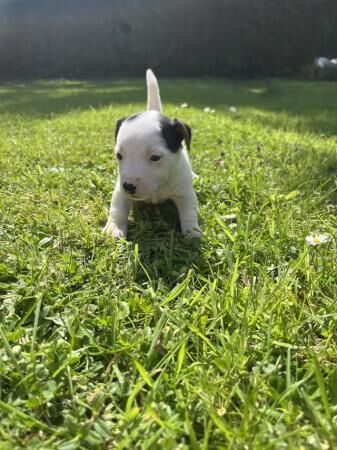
{"x": 153, "y": 94}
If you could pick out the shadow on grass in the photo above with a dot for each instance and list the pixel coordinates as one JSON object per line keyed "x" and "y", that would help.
{"x": 298, "y": 105}
{"x": 45, "y": 98}
{"x": 164, "y": 253}
{"x": 304, "y": 106}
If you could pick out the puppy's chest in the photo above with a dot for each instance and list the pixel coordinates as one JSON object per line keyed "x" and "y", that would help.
{"x": 158, "y": 198}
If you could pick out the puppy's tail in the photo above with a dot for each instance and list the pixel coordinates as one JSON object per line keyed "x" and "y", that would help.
{"x": 153, "y": 94}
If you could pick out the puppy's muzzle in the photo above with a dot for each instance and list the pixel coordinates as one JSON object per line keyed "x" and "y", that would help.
{"x": 129, "y": 188}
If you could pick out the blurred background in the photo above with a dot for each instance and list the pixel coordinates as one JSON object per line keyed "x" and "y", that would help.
{"x": 105, "y": 38}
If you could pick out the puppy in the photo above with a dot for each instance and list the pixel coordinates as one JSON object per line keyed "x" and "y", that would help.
{"x": 153, "y": 165}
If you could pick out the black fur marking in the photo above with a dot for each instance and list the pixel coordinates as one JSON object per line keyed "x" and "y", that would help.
{"x": 189, "y": 133}
{"x": 118, "y": 125}
{"x": 134, "y": 116}
{"x": 174, "y": 132}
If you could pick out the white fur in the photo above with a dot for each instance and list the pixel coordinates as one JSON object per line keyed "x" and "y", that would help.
{"x": 138, "y": 139}
{"x": 153, "y": 94}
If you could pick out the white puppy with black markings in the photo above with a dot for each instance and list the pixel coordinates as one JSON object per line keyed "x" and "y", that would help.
{"x": 153, "y": 165}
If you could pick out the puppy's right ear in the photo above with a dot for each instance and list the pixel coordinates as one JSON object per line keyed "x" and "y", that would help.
{"x": 118, "y": 125}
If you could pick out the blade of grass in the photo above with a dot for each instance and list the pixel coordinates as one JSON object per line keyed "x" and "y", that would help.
{"x": 181, "y": 357}
{"x": 25, "y": 417}
{"x": 322, "y": 389}
{"x": 36, "y": 321}
{"x": 143, "y": 373}
{"x": 9, "y": 351}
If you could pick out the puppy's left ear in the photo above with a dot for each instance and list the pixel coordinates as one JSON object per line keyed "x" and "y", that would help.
{"x": 184, "y": 131}
{"x": 118, "y": 125}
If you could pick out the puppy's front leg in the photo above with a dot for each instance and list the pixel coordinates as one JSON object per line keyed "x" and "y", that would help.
{"x": 117, "y": 224}
{"x": 188, "y": 213}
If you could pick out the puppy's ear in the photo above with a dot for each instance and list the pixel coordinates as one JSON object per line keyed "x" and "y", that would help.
{"x": 184, "y": 132}
{"x": 174, "y": 132}
{"x": 118, "y": 125}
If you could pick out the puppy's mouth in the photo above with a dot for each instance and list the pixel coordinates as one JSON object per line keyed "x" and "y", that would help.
{"x": 137, "y": 198}
{"x": 143, "y": 197}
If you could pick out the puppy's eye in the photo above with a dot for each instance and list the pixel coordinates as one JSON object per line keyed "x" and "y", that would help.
{"x": 119, "y": 156}
{"x": 155, "y": 158}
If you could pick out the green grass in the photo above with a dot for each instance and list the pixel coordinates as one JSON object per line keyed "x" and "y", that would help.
{"x": 155, "y": 343}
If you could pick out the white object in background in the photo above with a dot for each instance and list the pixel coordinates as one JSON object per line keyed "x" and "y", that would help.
{"x": 322, "y": 62}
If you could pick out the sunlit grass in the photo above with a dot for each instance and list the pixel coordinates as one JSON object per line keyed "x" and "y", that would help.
{"x": 154, "y": 342}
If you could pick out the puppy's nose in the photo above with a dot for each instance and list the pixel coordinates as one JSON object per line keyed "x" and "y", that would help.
{"x": 129, "y": 187}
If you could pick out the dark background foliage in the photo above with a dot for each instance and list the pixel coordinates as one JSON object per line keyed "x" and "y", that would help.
{"x": 85, "y": 38}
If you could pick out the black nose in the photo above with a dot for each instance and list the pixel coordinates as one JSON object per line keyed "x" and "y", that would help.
{"x": 130, "y": 188}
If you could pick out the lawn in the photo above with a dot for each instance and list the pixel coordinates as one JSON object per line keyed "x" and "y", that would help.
{"x": 156, "y": 342}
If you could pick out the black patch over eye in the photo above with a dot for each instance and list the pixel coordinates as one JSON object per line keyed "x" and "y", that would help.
{"x": 155, "y": 158}
{"x": 119, "y": 156}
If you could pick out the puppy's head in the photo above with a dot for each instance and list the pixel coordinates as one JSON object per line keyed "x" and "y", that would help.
{"x": 147, "y": 149}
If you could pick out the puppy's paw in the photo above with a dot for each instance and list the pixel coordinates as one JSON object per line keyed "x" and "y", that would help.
{"x": 195, "y": 234}
{"x": 111, "y": 229}
{"x": 192, "y": 232}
